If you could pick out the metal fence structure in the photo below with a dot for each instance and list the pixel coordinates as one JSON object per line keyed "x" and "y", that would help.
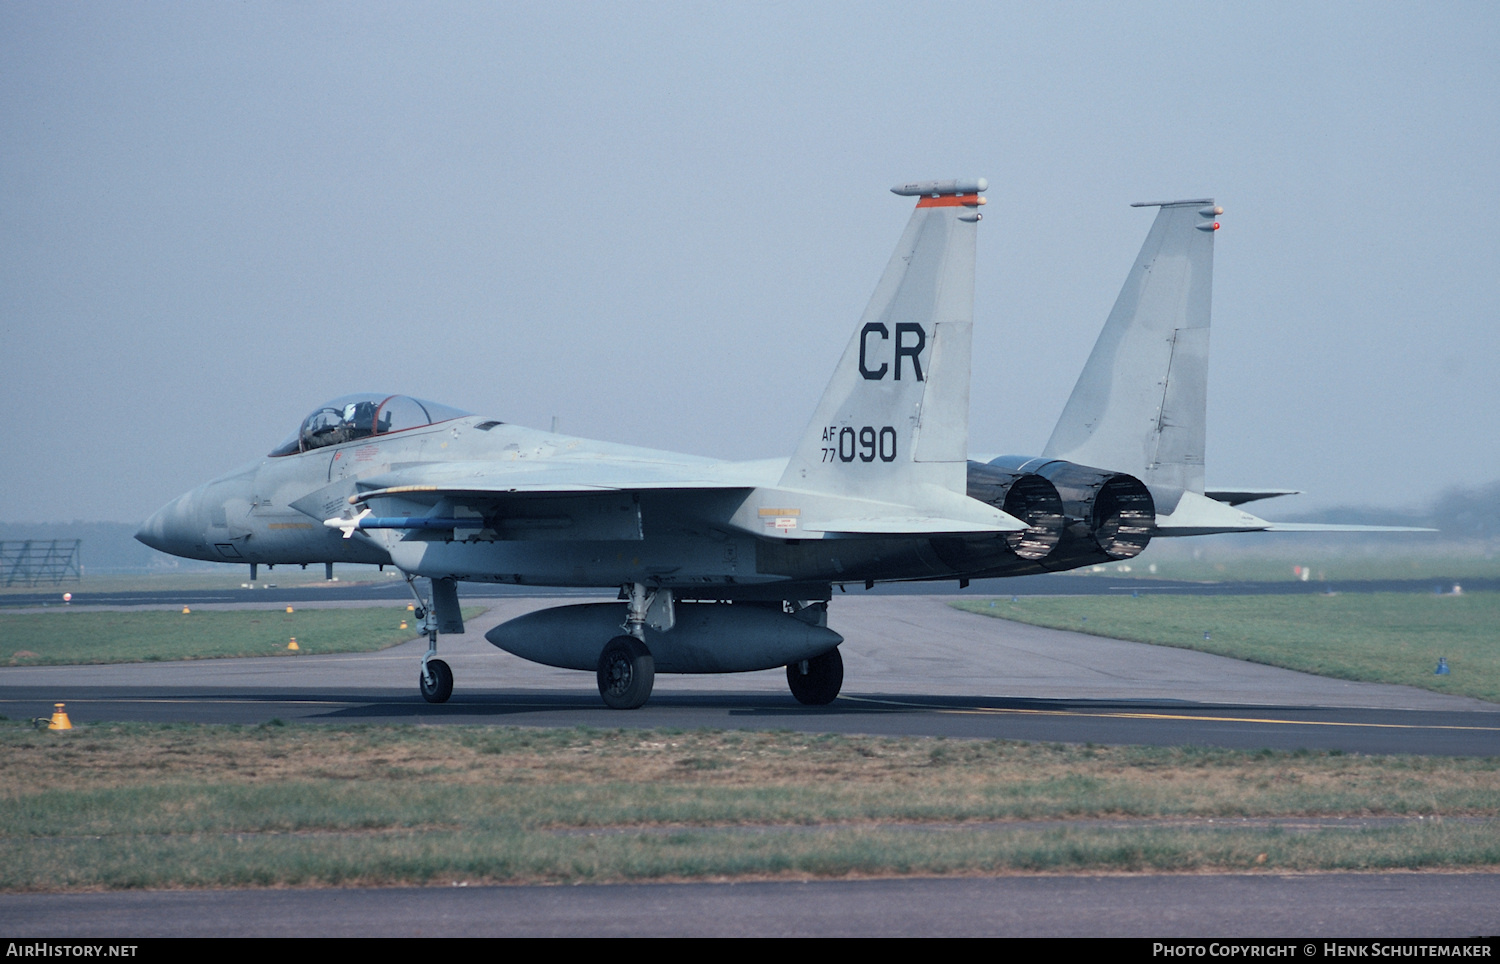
{"x": 31, "y": 561}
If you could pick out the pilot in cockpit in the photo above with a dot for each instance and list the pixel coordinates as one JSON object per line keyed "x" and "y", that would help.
{"x": 359, "y": 420}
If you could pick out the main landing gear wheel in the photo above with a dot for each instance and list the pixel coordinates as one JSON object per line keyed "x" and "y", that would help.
{"x": 626, "y": 672}
{"x": 441, "y": 685}
{"x": 817, "y": 681}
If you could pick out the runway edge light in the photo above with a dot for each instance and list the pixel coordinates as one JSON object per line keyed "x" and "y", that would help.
{"x": 60, "y": 719}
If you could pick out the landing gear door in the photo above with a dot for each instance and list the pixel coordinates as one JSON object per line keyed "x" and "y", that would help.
{"x": 445, "y": 604}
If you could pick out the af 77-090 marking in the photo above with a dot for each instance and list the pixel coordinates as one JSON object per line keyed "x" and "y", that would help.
{"x": 729, "y": 566}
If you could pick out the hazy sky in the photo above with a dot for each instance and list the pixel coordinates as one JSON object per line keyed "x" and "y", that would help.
{"x": 660, "y": 222}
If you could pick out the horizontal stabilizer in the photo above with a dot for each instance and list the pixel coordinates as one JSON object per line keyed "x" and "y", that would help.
{"x": 1241, "y": 496}
{"x": 1196, "y": 515}
{"x": 1330, "y": 527}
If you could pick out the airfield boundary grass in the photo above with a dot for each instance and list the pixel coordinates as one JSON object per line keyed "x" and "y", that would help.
{"x": 128, "y": 636}
{"x": 138, "y": 805}
{"x": 213, "y": 577}
{"x": 1372, "y": 637}
{"x": 1408, "y": 557}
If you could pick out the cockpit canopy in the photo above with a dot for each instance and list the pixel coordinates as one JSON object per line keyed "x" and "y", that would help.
{"x": 351, "y": 417}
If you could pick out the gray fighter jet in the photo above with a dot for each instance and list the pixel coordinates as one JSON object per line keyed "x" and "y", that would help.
{"x": 728, "y": 567}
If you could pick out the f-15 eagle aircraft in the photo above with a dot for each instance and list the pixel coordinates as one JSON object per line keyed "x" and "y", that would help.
{"x": 727, "y": 567}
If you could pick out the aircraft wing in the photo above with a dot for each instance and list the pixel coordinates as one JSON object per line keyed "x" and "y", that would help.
{"x": 582, "y": 499}
{"x": 495, "y": 478}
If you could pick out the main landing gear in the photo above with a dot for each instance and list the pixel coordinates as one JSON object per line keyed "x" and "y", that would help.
{"x": 626, "y": 670}
{"x": 626, "y": 673}
{"x": 817, "y": 681}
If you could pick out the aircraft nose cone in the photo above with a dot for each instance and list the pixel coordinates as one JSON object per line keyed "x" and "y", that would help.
{"x": 152, "y": 531}
{"x": 171, "y": 529}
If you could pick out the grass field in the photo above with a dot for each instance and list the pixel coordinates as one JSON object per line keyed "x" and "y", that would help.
{"x": 221, "y": 577}
{"x": 162, "y": 806}
{"x": 1376, "y": 637}
{"x": 119, "y": 806}
{"x": 63, "y": 636}
{"x": 1284, "y": 558}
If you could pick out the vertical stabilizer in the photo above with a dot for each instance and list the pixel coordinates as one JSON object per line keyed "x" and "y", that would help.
{"x": 896, "y": 413}
{"x": 1140, "y": 404}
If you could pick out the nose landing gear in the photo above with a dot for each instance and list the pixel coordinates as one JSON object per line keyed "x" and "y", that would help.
{"x": 435, "y": 681}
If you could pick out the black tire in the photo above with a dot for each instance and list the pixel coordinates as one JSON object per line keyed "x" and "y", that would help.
{"x": 442, "y": 682}
{"x": 626, "y": 673}
{"x": 820, "y": 685}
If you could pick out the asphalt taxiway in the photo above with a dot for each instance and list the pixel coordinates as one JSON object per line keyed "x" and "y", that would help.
{"x": 1286, "y": 906}
{"x": 389, "y": 588}
{"x": 913, "y": 666}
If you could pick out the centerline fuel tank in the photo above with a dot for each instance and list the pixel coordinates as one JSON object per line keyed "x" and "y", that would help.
{"x": 706, "y": 638}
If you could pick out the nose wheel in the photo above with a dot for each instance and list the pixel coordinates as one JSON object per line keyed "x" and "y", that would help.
{"x": 435, "y": 681}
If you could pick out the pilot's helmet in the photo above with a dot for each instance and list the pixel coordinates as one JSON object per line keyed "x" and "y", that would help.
{"x": 359, "y": 418}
